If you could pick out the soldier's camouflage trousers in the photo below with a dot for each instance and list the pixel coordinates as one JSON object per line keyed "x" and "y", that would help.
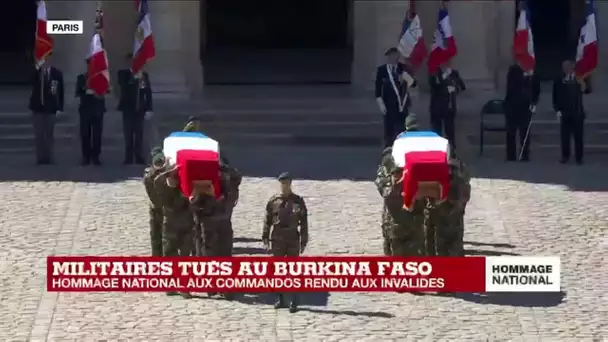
{"x": 219, "y": 242}
{"x": 177, "y": 240}
{"x": 286, "y": 247}
{"x": 156, "y": 231}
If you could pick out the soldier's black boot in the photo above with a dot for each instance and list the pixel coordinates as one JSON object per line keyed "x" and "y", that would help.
{"x": 280, "y": 303}
{"x": 293, "y": 306}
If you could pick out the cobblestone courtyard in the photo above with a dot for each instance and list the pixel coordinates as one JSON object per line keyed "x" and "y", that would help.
{"x": 522, "y": 209}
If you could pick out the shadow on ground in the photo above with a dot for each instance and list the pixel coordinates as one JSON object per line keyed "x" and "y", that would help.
{"x": 523, "y": 299}
{"x": 586, "y": 177}
{"x": 310, "y": 163}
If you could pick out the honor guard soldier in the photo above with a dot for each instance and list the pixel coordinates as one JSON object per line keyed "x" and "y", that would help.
{"x": 568, "y": 105}
{"x": 392, "y": 83}
{"x": 135, "y": 104}
{"x": 285, "y": 213}
{"x": 523, "y": 91}
{"x": 445, "y": 84}
{"x": 46, "y": 102}
{"x": 91, "y": 109}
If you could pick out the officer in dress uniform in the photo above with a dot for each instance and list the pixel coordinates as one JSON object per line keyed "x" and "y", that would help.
{"x": 135, "y": 104}
{"x": 91, "y": 109}
{"x": 445, "y": 84}
{"x": 523, "y": 91}
{"x": 46, "y": 102}
{"x": 568, "y": 105}
{"x": 392, "y": 83}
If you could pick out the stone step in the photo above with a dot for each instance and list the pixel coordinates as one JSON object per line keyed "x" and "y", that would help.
{"x": 25, "y": 129}
{"x": 593, "y": 137}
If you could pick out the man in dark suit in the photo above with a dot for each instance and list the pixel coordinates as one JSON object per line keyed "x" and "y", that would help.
{"x": 92, "y": 109}
{"x": 135, "y": 104}
{"x": 392, "y": 83}
{"x": 523, "y": 91}
{"x": 568, "y": 105}
{"x": 46, "y": 102}
{"x": 445, "y": 84}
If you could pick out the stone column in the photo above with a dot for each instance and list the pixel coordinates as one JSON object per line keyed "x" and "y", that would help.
{"x": 473, "y": 25}
{"x": 119, "y": 31}
{"x": 70, "y": 51}
{"x": 174, "y": 28}
{"x": 599, "y": 77}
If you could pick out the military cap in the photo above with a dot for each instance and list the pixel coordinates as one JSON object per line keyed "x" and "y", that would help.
{"x": 411, "y": 122}
{"x": 391, "y": 51}
{"x": 285, "y": 176}
{"x": 156, "y": 150}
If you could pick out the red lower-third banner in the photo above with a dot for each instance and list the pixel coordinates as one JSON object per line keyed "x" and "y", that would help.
{"x": 302, "y": 274}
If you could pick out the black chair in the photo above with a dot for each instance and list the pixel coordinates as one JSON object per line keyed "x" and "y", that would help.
{"x": 491, "y": 108}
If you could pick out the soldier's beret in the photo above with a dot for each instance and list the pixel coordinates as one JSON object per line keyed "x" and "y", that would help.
{"x": 193, "y": 118}
{"x": 411, "y": 122}
{"x": 285, "y": 176}
{"x": 391, "y": 51}
{"x": 156, "y": 150}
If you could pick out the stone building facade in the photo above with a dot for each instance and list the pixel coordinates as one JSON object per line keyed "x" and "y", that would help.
{"x": 483, "y": 30}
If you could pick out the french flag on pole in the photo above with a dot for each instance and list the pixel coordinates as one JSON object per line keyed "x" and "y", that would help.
{"x": 43, "y": 45}
{"x": 411, "y": 43}
{"x": 587, "y": 50}
{"x": 98, "y": 79}
{"x": 523, "y": 42}
{"x": 444, "y": 45}
{"x": 143, "y": 50}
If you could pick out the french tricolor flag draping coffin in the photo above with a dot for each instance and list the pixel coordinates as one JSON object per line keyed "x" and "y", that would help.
{"x": 444, "y": 44}
{"x": 411, "y": 43}
{"x": 43, "y": 46}
{"x": 424, "y": 158}
{"x": 587, "y": 50}
{"x": 523, "y": 41}
{"x": 143, "y": 50}
{"x": 98, "y": 75}
{"x": 197, "y": 158}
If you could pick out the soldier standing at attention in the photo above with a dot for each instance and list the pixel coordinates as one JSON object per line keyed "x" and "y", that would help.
{"x": 177, "y": 218}
{"x": 392, "y": 85}
{"x": 285, "y": 212}
{"x": 46, "y": 102}
{"x": 135, "y": 104}
{"x": 156, "y": 206}
{"x": 92, "y": 109}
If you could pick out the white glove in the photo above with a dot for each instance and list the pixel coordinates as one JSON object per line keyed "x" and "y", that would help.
{"x": 148, "y": 115}
{"x": 558, "y": 114}
{"x": 381, "y": 105}
{"x": 451, "y": 89}
{"x": 532, "y": 109}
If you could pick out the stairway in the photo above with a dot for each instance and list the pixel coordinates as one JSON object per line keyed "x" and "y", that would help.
{"x": 288, "y": 116}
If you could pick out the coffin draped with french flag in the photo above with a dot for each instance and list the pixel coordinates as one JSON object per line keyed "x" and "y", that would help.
{"x": 424, "y": 157}
{"x": 197, "y": 158}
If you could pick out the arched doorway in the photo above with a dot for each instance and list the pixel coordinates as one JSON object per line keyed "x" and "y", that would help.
{"x": 276, "y": 41}
{"x": 18, "y": 27}
{"x": 555, "y": 26}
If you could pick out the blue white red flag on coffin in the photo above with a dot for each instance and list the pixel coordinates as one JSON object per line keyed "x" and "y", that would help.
{"x": 444, "y": 44}
{"x": 143, "y": 49}
{"x": 587, "y": 49}
{"x": 523, "y": 41}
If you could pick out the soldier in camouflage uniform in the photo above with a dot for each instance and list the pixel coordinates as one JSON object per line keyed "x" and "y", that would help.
{"x": 156, "y": 208}
{"x": 394, "y": 235}
{"x": 285, "y": 212}
{"x": 177, "y": 218}
{"x": 450, "y": 215}
{"x": 213, "y": 234}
